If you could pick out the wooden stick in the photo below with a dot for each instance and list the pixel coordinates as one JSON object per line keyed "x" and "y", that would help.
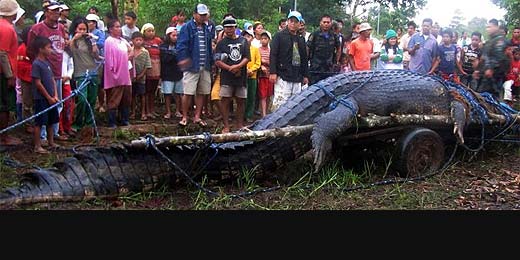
{"x": 370, "y": 121}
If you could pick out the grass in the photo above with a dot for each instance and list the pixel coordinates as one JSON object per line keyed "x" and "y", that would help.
{"x": 121, "y": 134}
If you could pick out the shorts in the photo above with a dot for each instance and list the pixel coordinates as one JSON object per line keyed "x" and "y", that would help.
{"x": 283, "y": 90}
{"x": 138, "y": 89}
{"x": 51, "y": 117}
{"x": 169, "y": 87}
{"x": 151, "y": 85}
{"x": 215, "y": 90}
{"x": 230, "y": 91}
{"x": 7, "y": 96}
{"x": 265, "y": 88}
{"x": 197, "y": 82}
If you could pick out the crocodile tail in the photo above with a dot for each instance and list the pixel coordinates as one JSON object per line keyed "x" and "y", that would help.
{"x": 94, "y": 173}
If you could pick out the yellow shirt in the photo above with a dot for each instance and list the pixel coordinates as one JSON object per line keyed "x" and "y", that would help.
{"x": 255, "y": 62}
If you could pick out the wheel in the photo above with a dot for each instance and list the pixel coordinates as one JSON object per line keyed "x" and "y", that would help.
{"x": 420, "y": 152}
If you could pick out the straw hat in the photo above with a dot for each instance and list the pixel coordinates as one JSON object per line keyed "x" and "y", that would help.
{"x": 8, "y": 7}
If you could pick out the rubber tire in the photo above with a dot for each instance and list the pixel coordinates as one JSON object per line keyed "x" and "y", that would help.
{"x": 419, "y": 152}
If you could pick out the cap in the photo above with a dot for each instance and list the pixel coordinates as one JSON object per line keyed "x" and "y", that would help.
{"x": 266, "y": 33}
{"x": 147, "y": 26}
{"x": 51, "y": 5}
{"x": 295, "y": 14}
{"x": 170, "y": 29}
{"x": 250, "y": 32}
{"x": 229, "y": 22}
{"x": 92, "y": 17}
{"x": 8, "y": 7}
{"x": 201, "y": 9}
{"x": 19, "y": 15}
{"x": 390, "y": 34}
{"x": 219, "y": 28}
{"x": 364, "y": 27}
{"x": 64, "y": 7}
{"x": 246, "y": 25}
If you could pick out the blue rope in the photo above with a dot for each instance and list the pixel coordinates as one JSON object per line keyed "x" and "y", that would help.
{"x": 75, "y": 92}
{"x": 343, "y": 98}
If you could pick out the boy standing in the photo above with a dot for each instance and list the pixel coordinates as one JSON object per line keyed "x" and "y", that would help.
{"x": 45, "y": 93}
{"x": 130, "y": 25}
{"x": 470, "y": 55}
{"x": 142, "y": 63}
{"x": 446, "y": 59}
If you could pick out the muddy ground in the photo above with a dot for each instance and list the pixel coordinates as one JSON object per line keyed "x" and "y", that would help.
{"x": 489, "y": 180}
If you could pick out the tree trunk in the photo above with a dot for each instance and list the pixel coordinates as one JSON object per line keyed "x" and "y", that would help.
{"x": 115, "y": 5}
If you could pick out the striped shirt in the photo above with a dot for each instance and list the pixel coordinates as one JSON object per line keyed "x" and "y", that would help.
{"x": 202, "y": 46}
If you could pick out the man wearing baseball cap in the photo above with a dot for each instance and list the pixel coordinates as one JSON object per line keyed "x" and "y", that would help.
{"x": 8, "y": 55}
{"x": 54, "y": 31}
{"x": 288, "y": 61}
{"x": 64, "y": 16}
{"x": 195, "y": 59}
{"x": 361, "y": 50}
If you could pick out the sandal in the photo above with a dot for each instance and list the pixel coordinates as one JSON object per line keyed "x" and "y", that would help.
{"x": 167, "y": 116}
{"x": 178, "y": 114}
{"x": 200, "y": 122}
{"x": 144, "y": 118}
{"x": 183, "y": 122}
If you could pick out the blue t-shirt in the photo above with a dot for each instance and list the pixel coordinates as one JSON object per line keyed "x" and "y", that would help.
{"x": 448, "y": 57}
{"x": 41, "y": 69}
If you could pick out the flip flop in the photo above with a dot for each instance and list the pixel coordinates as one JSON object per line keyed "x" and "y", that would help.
{"x": 167, "y": 116}
{"x": 200, "y": 122}
{"x": 183, "y": 122}
{"x": 178, "y": 115}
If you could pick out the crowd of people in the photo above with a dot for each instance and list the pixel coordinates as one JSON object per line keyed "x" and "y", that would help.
{"x": 202, "y": 67}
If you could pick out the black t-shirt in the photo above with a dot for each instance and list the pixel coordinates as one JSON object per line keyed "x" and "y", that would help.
{"x": 236, "y": 49}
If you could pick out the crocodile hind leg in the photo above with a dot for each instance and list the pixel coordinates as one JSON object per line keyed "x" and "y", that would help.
{"x": 458, "y": 115}
{"x": 328, "y": 127}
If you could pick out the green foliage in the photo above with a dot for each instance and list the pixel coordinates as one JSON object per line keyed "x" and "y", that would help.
{"x": 392, "y": 18}
{"x": 513, "y": 10}
{"x": 312, "y": 10}
{"x": 265, "y": 11}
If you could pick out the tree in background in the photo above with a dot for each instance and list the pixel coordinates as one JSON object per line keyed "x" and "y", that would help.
{"x": 513, "y": 10}
{"x": 392, "y": 17}
{"x": 457, "y": 21}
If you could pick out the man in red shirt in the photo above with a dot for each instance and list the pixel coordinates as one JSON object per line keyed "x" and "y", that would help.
{"x": 361, "y": 50}
{"x": 8, "y": 69}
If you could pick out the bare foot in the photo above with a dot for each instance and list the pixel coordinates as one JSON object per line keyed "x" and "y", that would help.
{"x": 225, "y": 130}
{"x": 10, "y": 141}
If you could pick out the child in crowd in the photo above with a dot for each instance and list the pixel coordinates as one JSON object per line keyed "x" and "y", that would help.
{"x": 171, "y": 75}
{"x": 45, "y": 93}
{"x": 345, "y": 67}
{"x": 391, "y": 54}
{"x": 142, "y": 65}
{"x": 130, "y": 25}
{"x": 265, "y": 87}
{"x": 215, "y": 85}
{"x": 470, "y": 55}
{"x": 24, "y": 75}
{"x": 252, "y": 68}
{"x": 66, "y": 115}
{"x": 446, "y": 60}
{"x": 512, "y": 84}
{"x": 151, "y": 44}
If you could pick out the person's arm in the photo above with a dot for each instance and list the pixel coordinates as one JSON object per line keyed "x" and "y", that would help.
{"x": 182, "y": 48}
{"x": 246, "y": 56}
{"x": 459, "y": 62}
{"x": 256, "y": 59}
{"x": 435, "y": 64}
{"x": 413, "y": 46}
{"x": 304, "y": 61}
{"x": 351, "y": 62}
{"x": 273, "y": 58}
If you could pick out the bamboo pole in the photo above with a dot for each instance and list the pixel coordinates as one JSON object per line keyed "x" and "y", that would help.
{"x": 368, "y": 122}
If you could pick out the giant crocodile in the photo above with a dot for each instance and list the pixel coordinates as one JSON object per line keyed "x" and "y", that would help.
{"x": 112, "y": 171}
